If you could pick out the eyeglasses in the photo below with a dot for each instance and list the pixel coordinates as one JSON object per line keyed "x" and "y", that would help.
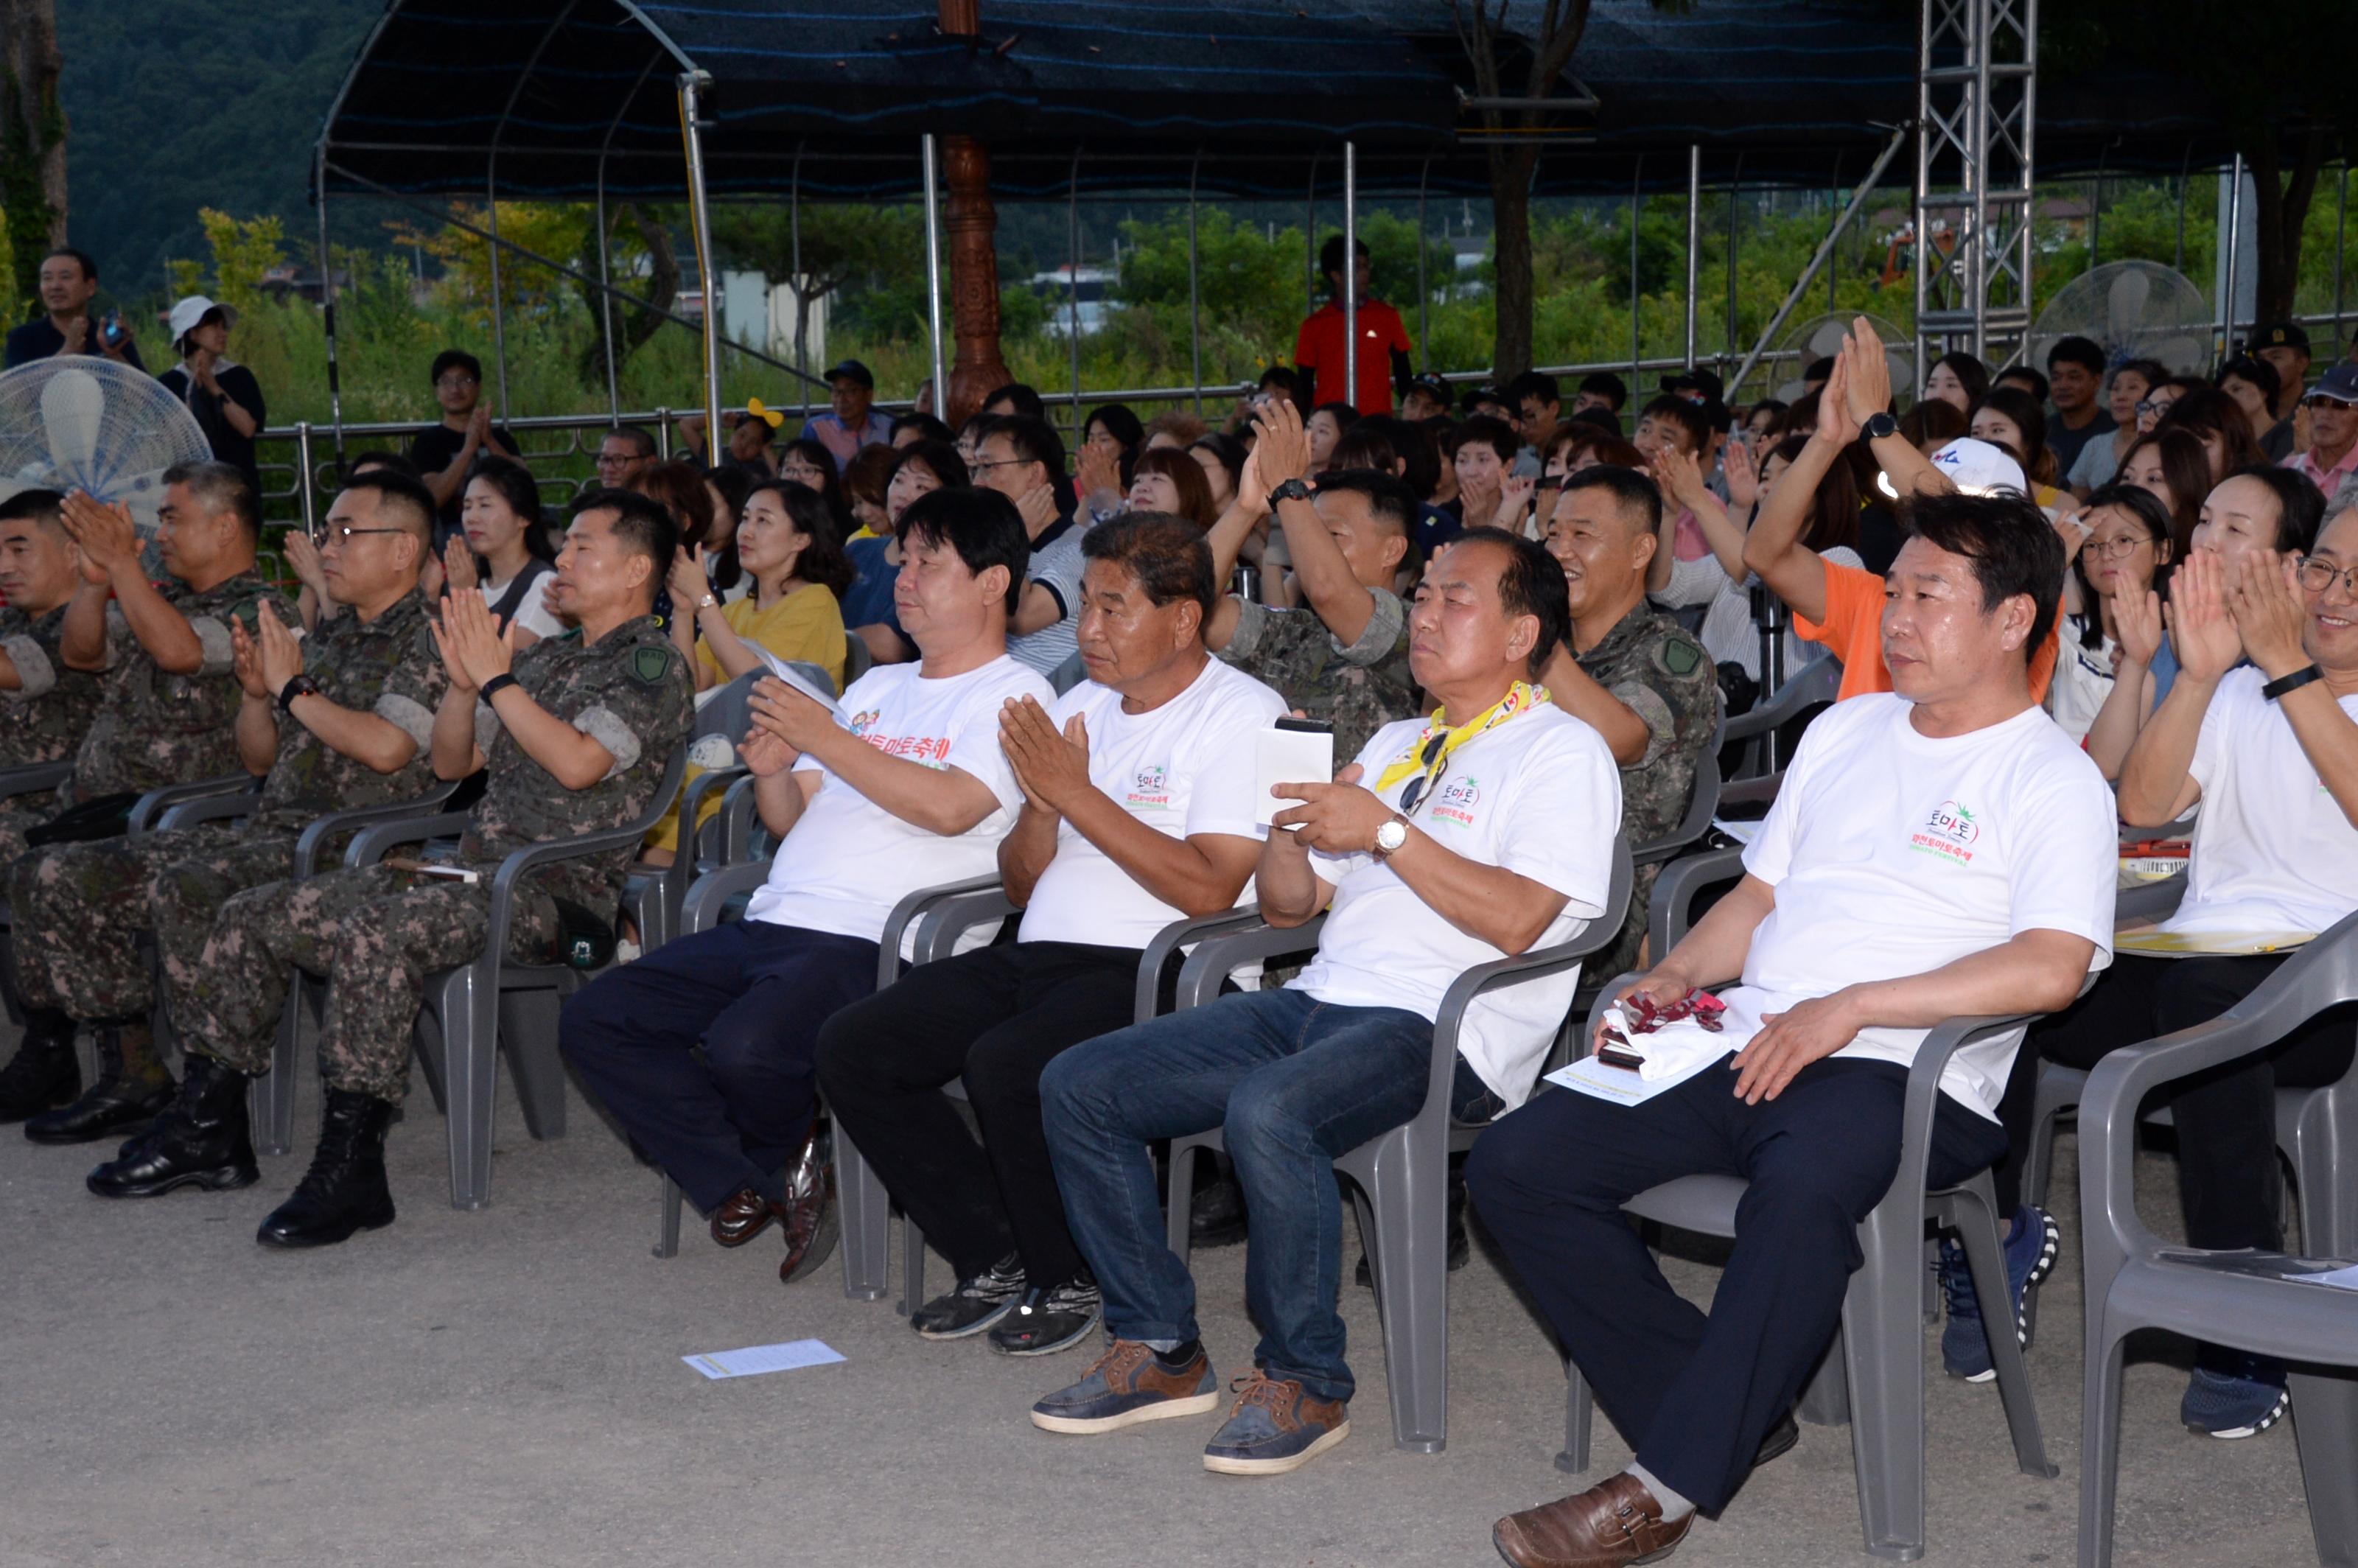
{"x": 458, "y": 379}
{"x": 996, "y": 463}
{"x": 2118, "y": 547}
{"x": 2314, "y": 403}
{"x": 2154, "y": 404}
{"x": 1424, "y": 781}
{"x": 2318, "y": 576}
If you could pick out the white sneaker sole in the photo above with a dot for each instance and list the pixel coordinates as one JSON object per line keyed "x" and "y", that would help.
{"x": 1222, "y": 1466}
{"x": 1161, "y": 1410}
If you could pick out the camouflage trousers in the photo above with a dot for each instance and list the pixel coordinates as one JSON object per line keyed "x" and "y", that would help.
{"x": 13, "y": 824}
{"x": 79, "y": 909}
{"x": 373, "y": 935}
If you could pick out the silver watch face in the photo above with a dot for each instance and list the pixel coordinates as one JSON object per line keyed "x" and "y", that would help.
{"x": 1391, "y": 836}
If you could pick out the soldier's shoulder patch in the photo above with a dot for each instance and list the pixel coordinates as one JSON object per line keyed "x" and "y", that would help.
{"x": 1682, "y": 655}
{"x": 650, "y": 663}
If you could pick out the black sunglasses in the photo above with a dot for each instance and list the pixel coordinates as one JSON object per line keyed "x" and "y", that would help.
{"x": 1417, "y": 785}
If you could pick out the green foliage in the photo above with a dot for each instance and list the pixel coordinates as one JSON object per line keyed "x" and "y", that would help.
{"x": 25, "y": 140}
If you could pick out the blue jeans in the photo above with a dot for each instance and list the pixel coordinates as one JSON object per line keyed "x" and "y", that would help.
{"x": 1291, "y": 1082}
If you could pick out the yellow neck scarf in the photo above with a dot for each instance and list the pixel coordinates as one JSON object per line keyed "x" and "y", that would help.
{"x": 1429, "y": 753}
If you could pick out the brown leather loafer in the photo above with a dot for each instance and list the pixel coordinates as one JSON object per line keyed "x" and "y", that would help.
{"x": 746, "y": 1215}
{"x": 808, "y": 1213}
{"x": 1611, "y": 1525}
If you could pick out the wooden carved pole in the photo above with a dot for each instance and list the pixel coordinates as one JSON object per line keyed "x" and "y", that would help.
{"x": 971, "y": 224}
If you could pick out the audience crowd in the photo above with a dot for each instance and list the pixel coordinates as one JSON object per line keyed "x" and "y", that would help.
{"x": 2073, "y": 605}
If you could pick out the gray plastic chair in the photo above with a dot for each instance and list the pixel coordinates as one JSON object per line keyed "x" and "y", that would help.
{"x": 1702, "y": 801}
{"x": 471, "y": 1010}
{"x": 1401, "y": 1177}
{"x": 270, "y": 1104}
{"x": 1815, "y": 682}
{"x": 2257, "y": 1302}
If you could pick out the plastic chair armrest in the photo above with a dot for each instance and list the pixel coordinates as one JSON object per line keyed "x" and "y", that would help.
{"x": 320, "y": 830}
{"x": 1180, "y": 934}
{"x": 907, "y": 911}
{"x": 34, "y": 777}
{"x": 150, "y": 807}
{"x": 710, "y": 893}
{"x": 1208, "y": 964}
{"x": 370, "y": 844}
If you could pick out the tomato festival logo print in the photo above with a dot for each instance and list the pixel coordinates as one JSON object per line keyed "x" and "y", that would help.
{"x": 1150, "y": 789}
{"x": 1456, "y": 805}
{"x": 1950, "y": 833}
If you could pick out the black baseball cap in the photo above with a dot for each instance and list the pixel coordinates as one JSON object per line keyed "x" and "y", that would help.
{"x": 1433, "y": 382}
{"x": 852, "y": 370}
{"x": 2276, "y": 335}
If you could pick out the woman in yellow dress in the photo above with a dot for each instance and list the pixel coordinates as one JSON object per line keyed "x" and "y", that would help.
{"x": 788, "y": 545}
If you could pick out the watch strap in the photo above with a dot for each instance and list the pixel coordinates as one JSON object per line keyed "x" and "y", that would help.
{"x": 1379, "y": 850}
{"x": 1291, "y": 490}
{"x": 1880, "y": 424}
{"x": 2291, "y": 683}
{"x": 298, "y": 685}
{"x": 493, "y": 687}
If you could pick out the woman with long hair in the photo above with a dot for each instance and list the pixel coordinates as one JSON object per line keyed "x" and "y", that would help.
{"x": 865, "y": 478}
{"x": 505, "y": 553}
{"x": 2126, "y": 554}
{"x": 679, "y": 487}
{"x": 1958, "y": 380}
{"x": 2170, "y": 465}
{"x": 2214, "y": 418}
{"x": 804, "y": 461}
{"x": 2007, "y": 416}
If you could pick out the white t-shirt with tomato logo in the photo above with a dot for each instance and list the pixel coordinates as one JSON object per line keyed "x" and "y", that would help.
{"x": 847, "y": 860}
{"x": 1184, "y": 768}
{"x": 1540, "y": 795}
{"x": 1894, "y": 853}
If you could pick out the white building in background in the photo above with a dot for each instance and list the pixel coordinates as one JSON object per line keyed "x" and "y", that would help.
{"x": 1056, "y": 287}
{"x": 759, "y": 316}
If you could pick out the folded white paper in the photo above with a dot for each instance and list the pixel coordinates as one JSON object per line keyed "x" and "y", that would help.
{"x": 1288, "y": 756}
{"x": 755, "y": 1359}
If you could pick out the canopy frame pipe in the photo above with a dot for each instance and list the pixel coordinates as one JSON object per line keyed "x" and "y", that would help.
{"x": 1351, "y": 274}
{"x": 795, "y": 262}
{"x": 692, "y": 84}
{"x": 1695, "y": 240}
{"x": 1825, "y": 249}
{"x": 1735, "y": 225}
{"x": 932, "y": 272}
{"x": 2341, "y": 234}
{"x": 2234, "y": 254}
{"x": 1423, "y": 287}
{"x": 1637, "y": 315}
{"x": 606, "y": 293}
{"x": 1073, "y": 286}
{"x": 499, "y": 301}
{"x": 328, "y": 322}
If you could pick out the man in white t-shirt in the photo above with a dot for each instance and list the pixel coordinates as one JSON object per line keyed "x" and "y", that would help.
{"x": 1449, "y": 843}
{"x": 1138, "y": 811}
{"x": 902, "y": 786}
{"x": 2269, "y": 749}
{"x": 1940, "y": 850}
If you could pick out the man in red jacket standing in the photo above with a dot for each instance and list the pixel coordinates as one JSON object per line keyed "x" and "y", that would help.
{"x": 1319, "y": 348}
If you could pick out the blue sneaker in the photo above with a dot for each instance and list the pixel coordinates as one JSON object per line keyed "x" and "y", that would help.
{"x": 2031, "y": 1249}
{"x": 2244, "y": 1401}
{"x": 1127, "y": 1385}
{"x": 1275, "y": 1427}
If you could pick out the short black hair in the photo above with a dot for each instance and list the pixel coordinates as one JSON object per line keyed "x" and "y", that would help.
{"x": 1279, "y": 375}
{"x": 1167, "y": 555}
{"x": 1343, "y": 415}
{"x": 1496, "y": 434}
{"x": 1330, "y": 254}
{"x": 2085, "y": 352}
{"x": 935, "y": 430}
{"x": 408, "y": 495}
{"x": 1603, "y": 419}
{"x": 1034, "y": 440}
{"x": 379, "y": 457}
{"x": 1026, "y": 398}
{"x": 226, "y": 489}
{"x": 1606, "y": 386}
{"x": 1634, "y": 490}
{"x": 2300, "y": 505}
{"x": 2037, "y": 388}
{"x": 1121, "y": 422}
{"x": 2251, "y": 368}
{"x": 1393, "y": 501}
{"x": 457, "y": 359}
{"x": 2013, "y": 547}
{"x": 939, "y": 459}
{"x": 1534, "y": 384}
{"x": 981, "y": 525}
{"x": 1530, "y": 583}
{"x": 636, "y": 435}
{"x": 80, "y": 259}
{"x": 1691, "y": 417}
{"x": 46, "y": 507}
{"x": 1820, "y": 369}
{"x": 642, "y": 523}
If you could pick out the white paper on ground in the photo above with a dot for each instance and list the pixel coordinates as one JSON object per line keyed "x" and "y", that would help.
{"x": 1288, "y": 756}
{"x": 755, "y": 1359}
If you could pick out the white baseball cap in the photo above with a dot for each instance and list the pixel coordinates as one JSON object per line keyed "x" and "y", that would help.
{"x": 1975, "y": 468}
{"x": 188, "y": 312}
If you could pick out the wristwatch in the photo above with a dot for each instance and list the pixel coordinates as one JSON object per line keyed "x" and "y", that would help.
{"x": 301, "y": 685}
{"x": 1291, "y": 490}
{"x": 1390, "y": 836}
{"x": 1880, "y": 424}
{"x": 706, "y": 602}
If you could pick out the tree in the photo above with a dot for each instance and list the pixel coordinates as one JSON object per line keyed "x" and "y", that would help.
{"x": 32, "y": 138}
{"x": 840, "y": 244}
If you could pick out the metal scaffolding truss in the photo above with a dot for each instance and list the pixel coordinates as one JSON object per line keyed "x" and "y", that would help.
{"x": 1977, "y": 64}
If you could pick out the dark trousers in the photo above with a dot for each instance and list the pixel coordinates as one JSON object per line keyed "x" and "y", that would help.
{"x": 702, "y": 1049}
{"x": 1694, "y": 1394}
{"x": 2229, "y": 1184}
{"x": 995, "y": 1017}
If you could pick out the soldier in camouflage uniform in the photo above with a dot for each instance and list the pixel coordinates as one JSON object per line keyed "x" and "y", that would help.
{"x": 1636, "y": 676}
{"x": 358, "y": 698}
{"x": 167, "y": 698}
{"x": 1344, "y": 657}
{"x": 44, "y": 706}
{"x": 575, "y": 738}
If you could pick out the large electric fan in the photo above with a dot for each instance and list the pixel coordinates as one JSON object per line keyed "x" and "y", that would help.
{"x": 2134, "y": 311}
{"x": 1820, "y": 338}
{"x": 74, "y": 422}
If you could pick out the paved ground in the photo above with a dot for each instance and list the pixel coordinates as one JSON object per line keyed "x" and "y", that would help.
{"x": 505, "y": 1387}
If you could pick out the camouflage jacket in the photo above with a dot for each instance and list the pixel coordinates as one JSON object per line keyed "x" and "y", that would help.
{"x": 155, "y": 728}
{"x": 387, "y": 667}
{"x": 43, "y": 719}
{"x": 633, "y": 694}
{"x": 1358, "y": 688}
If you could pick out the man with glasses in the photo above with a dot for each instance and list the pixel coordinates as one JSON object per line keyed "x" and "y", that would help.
{"x": 626, "y": 452}
{"x": 337, "y": 720}
{"x": 445, "y": 453}
{"x": 2333, "y": 455}
{"x": 1023, "y": 458}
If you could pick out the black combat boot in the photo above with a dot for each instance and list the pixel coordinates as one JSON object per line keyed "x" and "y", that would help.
{"x": 43, "y": 1074}
{"x": 198, "y": 1140}
{"x": 133, "y": 1089}
{"x": 345, "y": 1189}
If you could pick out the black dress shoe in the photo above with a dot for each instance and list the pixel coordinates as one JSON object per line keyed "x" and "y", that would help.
{"x": 43, "y": 1074}
{"x": 345, "y": 1188}
{"x": 110, "y": 1106}
{"x": 1216, "y": 1214}
{"x": 200, "y": 1140}
{"x": 1780, "y": 1441}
